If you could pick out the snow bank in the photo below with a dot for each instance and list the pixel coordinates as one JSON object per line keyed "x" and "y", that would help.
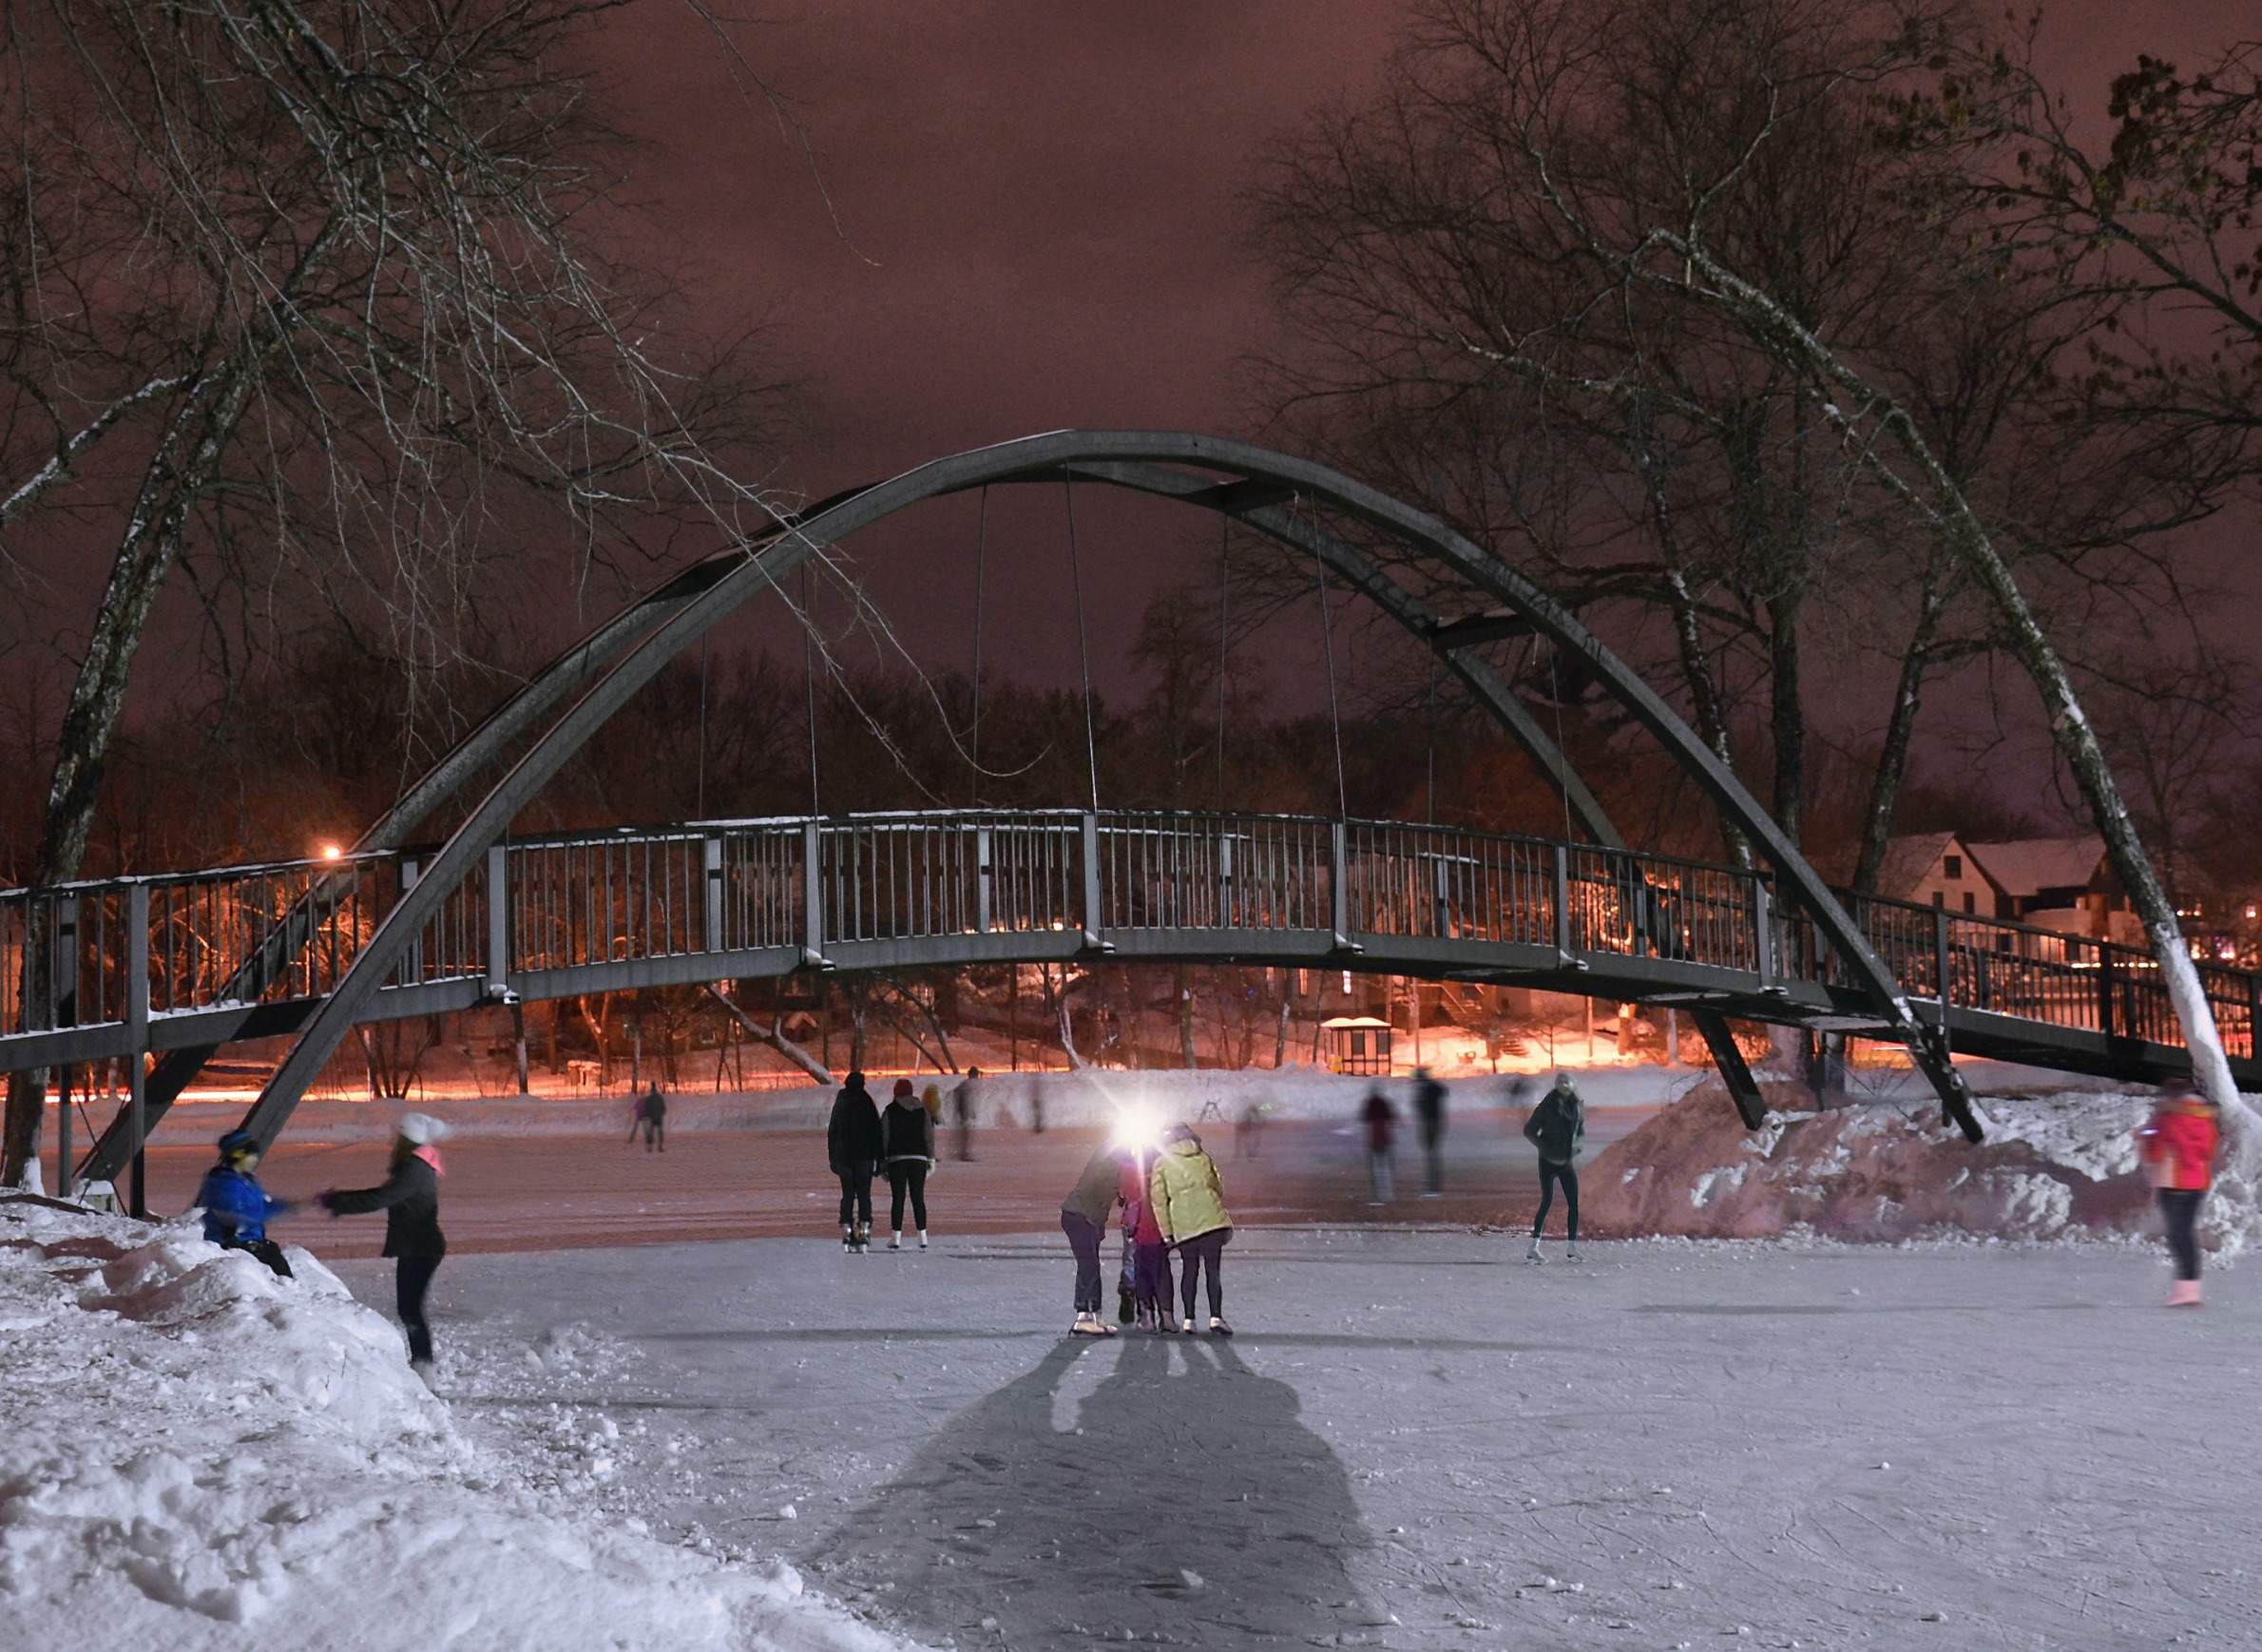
{"x": 202, "y": 1456}
{"x": 2056, "y": 1165}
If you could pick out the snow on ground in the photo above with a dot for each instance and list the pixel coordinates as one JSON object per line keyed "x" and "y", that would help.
{"x": 2057, "y": 1165}
{"x": 200, "y": 1455}
{"x": 1415, "y": 1441}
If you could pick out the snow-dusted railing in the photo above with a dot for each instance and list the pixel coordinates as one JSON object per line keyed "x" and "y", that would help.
{"x": 916, "y": 885}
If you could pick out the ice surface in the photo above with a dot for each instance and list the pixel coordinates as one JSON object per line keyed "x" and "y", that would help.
{"x": 1415, "y": 1442}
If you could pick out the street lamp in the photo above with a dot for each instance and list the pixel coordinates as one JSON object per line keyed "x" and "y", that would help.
{"x": 331, "y": 851}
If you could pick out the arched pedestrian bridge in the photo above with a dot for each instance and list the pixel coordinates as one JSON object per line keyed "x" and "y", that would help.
{"x": 181, "y": 965}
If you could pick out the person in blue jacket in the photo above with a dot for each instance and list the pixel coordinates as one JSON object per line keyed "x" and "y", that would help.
{"x": 236, "y": 1209}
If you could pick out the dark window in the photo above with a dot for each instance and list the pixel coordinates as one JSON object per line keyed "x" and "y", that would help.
{"x": 1953, "y": 866}
{"x": 1940, "y": 898}
{"x": 1970, "y": 901}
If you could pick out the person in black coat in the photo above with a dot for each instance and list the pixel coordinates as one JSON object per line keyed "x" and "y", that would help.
{"x": 1555, "y": 1127}
{"x": 907, "y": 1142}
{"x": 1429, "y": 1110}
{"x": 410, "y": 1200}
{"x": 854, "y": 1148}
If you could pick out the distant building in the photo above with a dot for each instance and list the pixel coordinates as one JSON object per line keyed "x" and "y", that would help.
{"x": 2060, "y": 883}
{"x": 1936, "y": 869}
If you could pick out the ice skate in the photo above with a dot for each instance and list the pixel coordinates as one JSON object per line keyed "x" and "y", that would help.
{"x": 1571, "y": 1252}
{"x": 847, "y": 1238}
{"x": 1090, "y": 1324}
{"x": 1186, "y": 1326}
{"x": 1532, "y": 1254}
{"x": 423, "y": 1369}
{"x": 895, "y": 1242}
{"x": 1219, "y": 1327}
{"x": 922, "y": 1238}
{"x": 2184, "y": 1294}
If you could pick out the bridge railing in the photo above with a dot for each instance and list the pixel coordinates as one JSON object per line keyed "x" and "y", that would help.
{"x": 68, "y": 954}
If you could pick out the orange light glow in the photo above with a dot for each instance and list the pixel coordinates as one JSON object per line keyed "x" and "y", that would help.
{"x": 331, "y": 851}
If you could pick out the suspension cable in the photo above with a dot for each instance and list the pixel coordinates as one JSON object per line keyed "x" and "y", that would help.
{"x": 1431, "y": 724}
{"x": 1084, "y": 655}
{"x": 1224, "y": 646}
{"x": 700, "y": 809}
{"x": 1327, "y": 644}
{"x": 974, "y": 734}
{"x": 808, "y": 679}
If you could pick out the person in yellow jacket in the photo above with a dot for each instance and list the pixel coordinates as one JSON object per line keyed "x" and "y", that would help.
{"x": 1189, "y": 1206}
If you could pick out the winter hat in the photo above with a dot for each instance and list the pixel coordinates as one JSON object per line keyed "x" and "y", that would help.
{"x": 903, "y": 1088}
{"x": 420, "y": 1129}
{"x": 236, "y": 1142}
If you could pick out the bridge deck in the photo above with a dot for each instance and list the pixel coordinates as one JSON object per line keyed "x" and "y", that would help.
{"x": 559, "y": 915}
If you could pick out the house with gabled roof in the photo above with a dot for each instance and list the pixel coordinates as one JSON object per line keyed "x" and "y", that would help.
{"x": 2061, "y": 883}
{"x": 1936, "y": 869}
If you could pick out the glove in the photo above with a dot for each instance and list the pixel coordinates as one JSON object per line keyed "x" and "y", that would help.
{"x": 321, "y": 1199}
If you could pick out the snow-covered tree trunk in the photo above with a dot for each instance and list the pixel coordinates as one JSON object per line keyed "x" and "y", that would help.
{"x": 773, "y": 1035}
{"x": 1936, "y": 493}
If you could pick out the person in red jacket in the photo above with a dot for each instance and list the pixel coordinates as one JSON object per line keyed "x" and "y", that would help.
{"x": 2177, "y": 1144}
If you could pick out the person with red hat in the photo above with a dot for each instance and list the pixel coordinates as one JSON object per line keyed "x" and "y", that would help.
{"x": 2177, "y": 1145}
{"x": 907, "y": 1143}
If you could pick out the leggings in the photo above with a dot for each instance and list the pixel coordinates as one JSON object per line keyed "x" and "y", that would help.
{"x": 856, "y": 1194}
{"x": 2179, "y": 1210}
{"x": 267, "y": 1250}
{"x": 1154, "y": 1277}
{"x": 1550, "y": 1176}
{"x": 1194, "y": 1255}
{"x": 1084, "y": 1238}
{"x": 907, "y": 1176}
{"x": 412, "y": 1277}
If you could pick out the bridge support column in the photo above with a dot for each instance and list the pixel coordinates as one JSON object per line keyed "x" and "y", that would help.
{"x": 498, "y": 924}
{"x": 1734, "y": 1071}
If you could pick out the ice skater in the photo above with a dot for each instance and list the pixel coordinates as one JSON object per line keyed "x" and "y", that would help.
{"x": 410, "y": 1197}
{"x": 853, "y": 1148}
{"x": 962, "y": 1106}
{"x": 1084, "y": 1219}
{"x": 1151, "y": 1258}
{"x": 2178, "y": 1144}
{"x": 1382, "y": 1120}
{"x": 1555, "y": 1127}
{"x": 236, "y": 1209}
{"x": 655, "y": 1117}
{"x": 1189, "y": 1203}
{"x": 907, "y": 1142}
{"x": 1430, "y": 1112}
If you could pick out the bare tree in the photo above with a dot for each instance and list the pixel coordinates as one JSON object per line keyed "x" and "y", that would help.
{"x": 321, "y": 299}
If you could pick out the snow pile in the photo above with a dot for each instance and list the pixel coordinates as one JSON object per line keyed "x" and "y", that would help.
{"x": 196, "y": 1446}
{"x": 2059, "y": 1165}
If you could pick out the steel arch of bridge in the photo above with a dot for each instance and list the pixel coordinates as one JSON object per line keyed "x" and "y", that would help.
{"x": 1275, "y": 493}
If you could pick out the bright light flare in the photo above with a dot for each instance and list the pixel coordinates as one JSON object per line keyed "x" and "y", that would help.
{"x": 331, "y": 851}
{"x": 1137, "y": 1127}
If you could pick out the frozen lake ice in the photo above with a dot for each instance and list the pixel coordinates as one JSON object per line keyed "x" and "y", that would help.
{"x": 1415, "y": 1442}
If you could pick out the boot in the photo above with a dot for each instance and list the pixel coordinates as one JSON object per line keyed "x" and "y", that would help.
{"x": 1126, "y": 1305}
{"x": 1219, "y": 1327}
{"x": 1533, "y": 1254}
{"x": 2184, "y": 1294}
{"x": 423, "y": 1370}
{"x": 1571, "y": 1252}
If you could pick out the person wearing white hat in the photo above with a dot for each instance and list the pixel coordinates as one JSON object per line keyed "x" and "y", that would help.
{"x": 410, "y": 1200}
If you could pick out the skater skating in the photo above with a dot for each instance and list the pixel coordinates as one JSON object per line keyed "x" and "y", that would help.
{"x": 655, "y": 1116}
{"x": 409, "y": 1197}
{"x": 1084, "y": 1219}
{"x": 853, "y": 1148}
{"x": 236, "y": 1209}
{"x": 2179, "y": 1145}
{"x": 1429, "y": 1113}
{"x": 1189, "y": 1203}
{"x": 1381, "y": 1120}
{"x": 962, "y": 1106}
{"x": 1555, "y": 1127}
{"x": 907, "y": 1142}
